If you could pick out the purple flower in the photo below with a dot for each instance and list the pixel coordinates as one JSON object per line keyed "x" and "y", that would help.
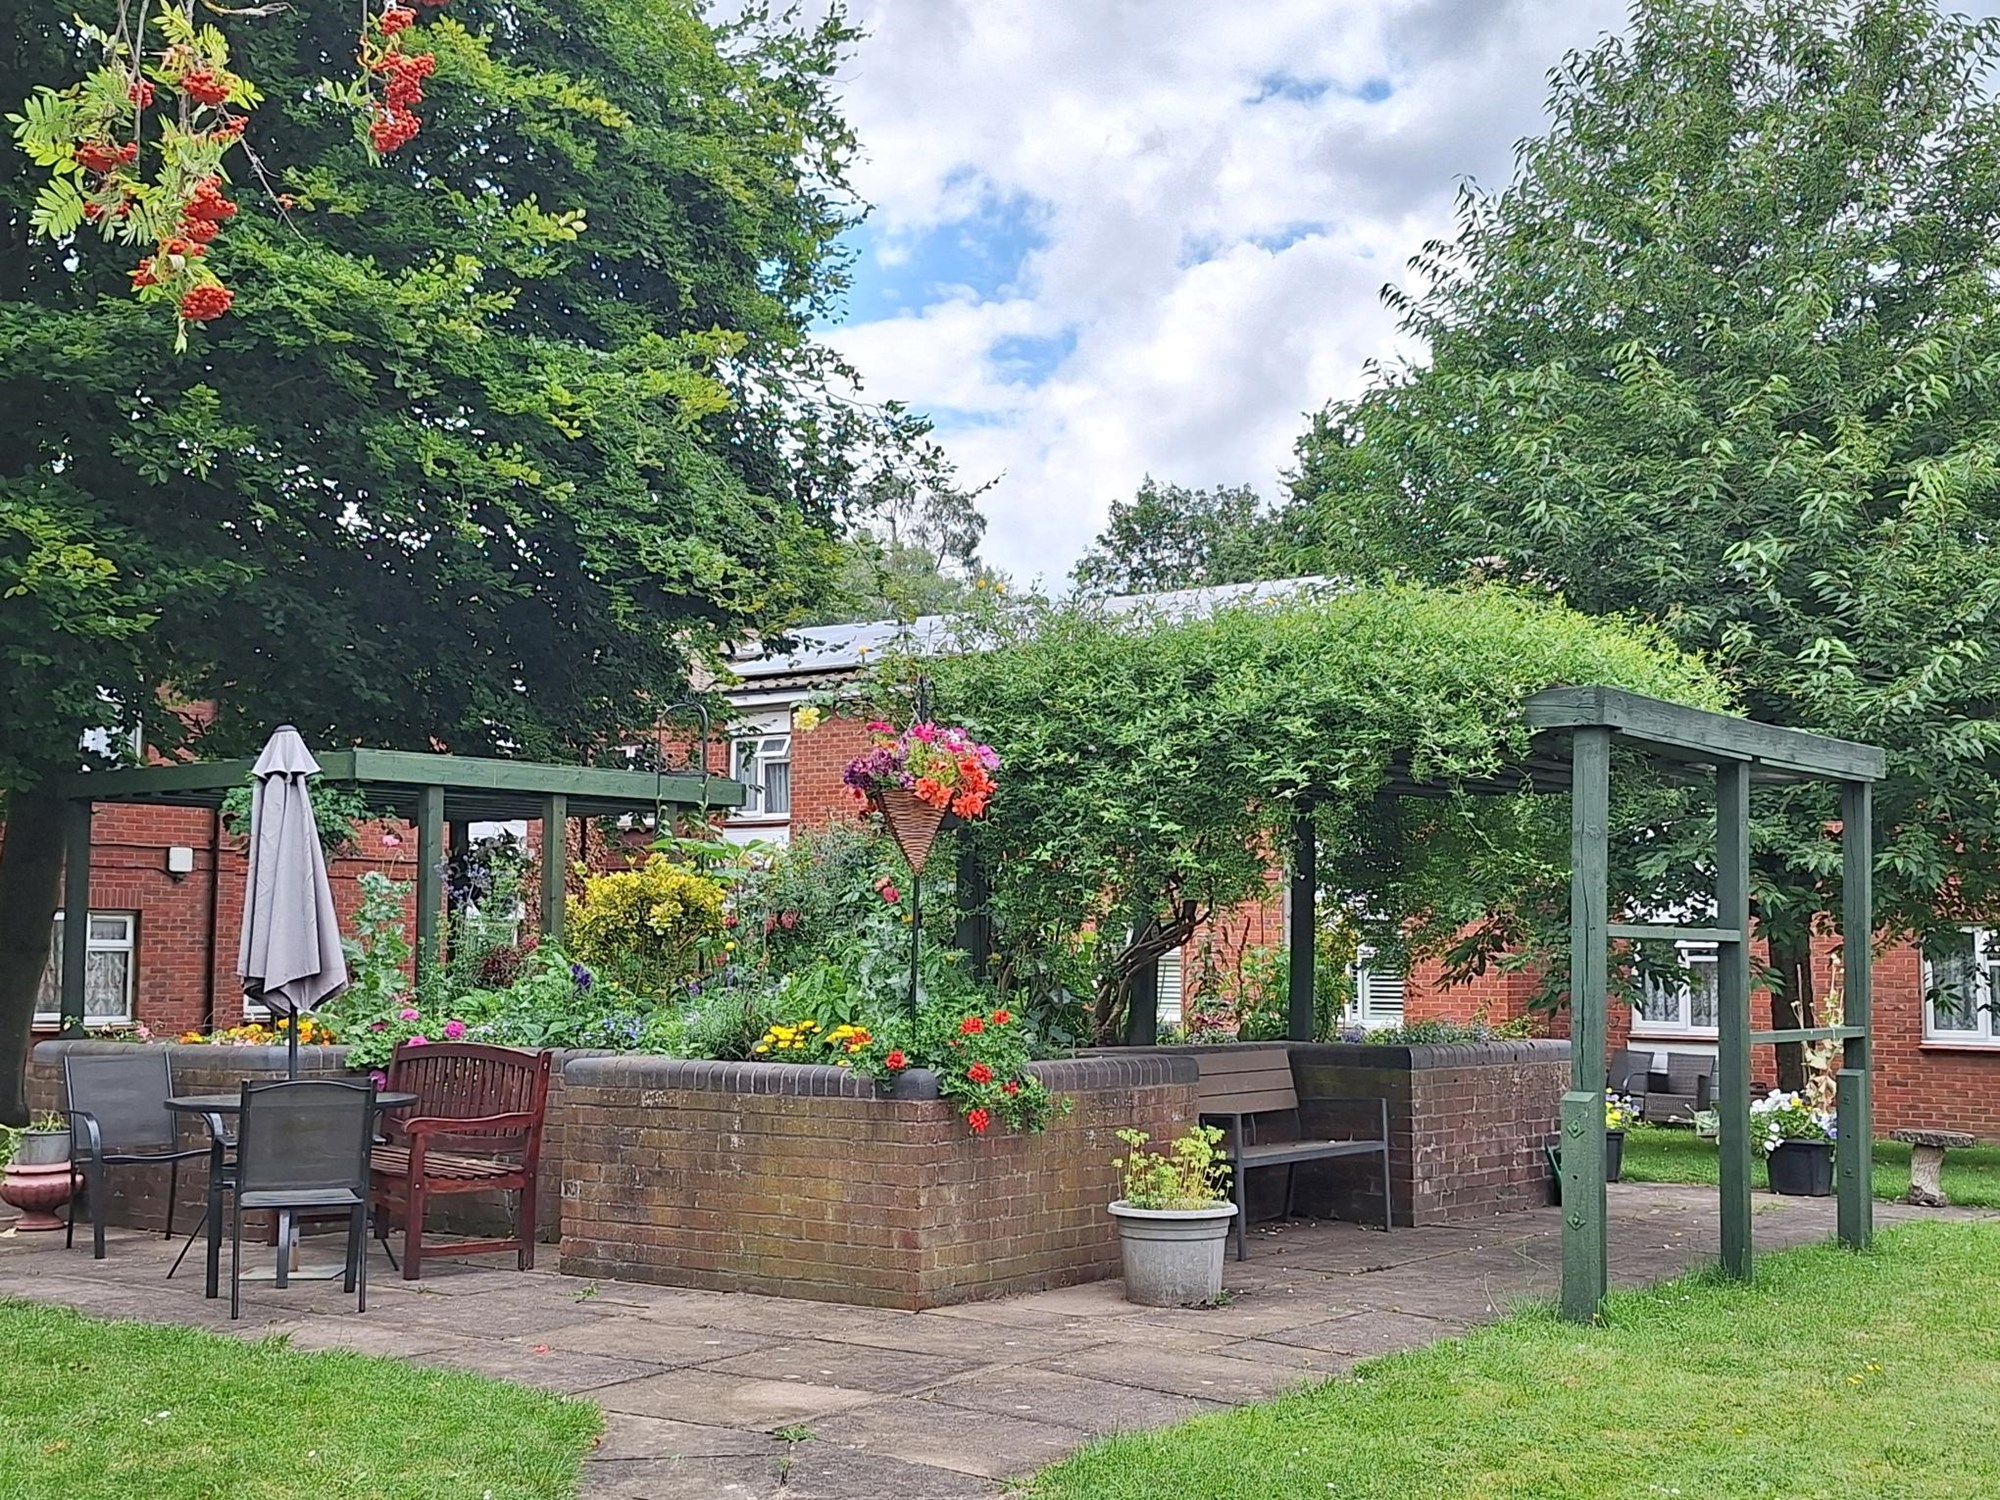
{"x": 406, "y": 1014}
{"x": 579, "y": 976}
{"x": 378, "y": 1025}
{"x": 420, "y": 1040}
{"x": 453, "y": 1030}
{"x": 378, "y": 1077}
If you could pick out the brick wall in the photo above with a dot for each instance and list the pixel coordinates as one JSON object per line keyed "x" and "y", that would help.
{"x": 1467, "y": 1125}
{"x": 805, "y": 1182}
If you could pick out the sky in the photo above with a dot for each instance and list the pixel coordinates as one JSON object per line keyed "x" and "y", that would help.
{"x": 1113, "y": 238}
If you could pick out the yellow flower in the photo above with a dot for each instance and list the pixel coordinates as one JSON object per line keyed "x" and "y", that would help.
{"x": 805, "y": 720}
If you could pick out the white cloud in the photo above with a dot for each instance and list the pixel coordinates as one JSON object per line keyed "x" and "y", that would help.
{"x": 1192, "y": 206}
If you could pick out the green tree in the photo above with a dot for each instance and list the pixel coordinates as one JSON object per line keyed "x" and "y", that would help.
{"x": 912, "y": 544}
{"x": 1726, "y": 354}
{"x": 1153, "y": 765}
{"x": 500, "y": 436}
{"x": 1170, "y": 537}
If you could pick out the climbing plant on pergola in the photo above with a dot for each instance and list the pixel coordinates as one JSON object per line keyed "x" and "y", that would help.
{"x": 1576, "y": 729}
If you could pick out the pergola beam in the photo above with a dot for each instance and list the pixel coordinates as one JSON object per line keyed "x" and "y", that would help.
{"x": 1663, "y": 728}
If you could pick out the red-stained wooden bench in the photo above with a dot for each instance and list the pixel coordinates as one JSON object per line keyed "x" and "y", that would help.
{"x": 476, "y": 1128}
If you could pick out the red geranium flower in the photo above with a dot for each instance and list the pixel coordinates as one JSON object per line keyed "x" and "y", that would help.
{"x": 978, "y": 1119}
{"x": 972, "y": 1026}
{"x": 1010, "y": 1087}
{"x": 895, "y": 1062}
{"x": 979, "y": 1073}
{"x": 1002, "y": 1017}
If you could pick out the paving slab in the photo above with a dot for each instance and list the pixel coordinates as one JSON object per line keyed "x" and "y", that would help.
{"x": 729, "y": 1400}
{"x": 856, "y": 1367}
{"x": 929, "y": 1435}
{"x": 1095, "y": 1406}
{"x": 651, "y": 1341}
{"x": 827, "y": 1471}
{"x": 627, "y": 1436}
{"x": 681, "y": 1479}
{"x": 1209, "y": 1377}
{"x": 549, "y": 1369}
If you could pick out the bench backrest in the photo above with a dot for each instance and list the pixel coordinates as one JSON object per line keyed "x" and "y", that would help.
{"x": 1245, "y": 1080}
{"x": 470, "y": 1081}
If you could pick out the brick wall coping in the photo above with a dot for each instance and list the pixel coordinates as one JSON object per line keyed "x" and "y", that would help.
{"x": 250, "y": 1059}
{"x": 823, "y": 1081}
{"x": 1360, "y": 1055}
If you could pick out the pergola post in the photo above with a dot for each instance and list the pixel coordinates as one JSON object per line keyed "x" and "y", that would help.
{"x": 1303, "y": 920}
{"x": 1585, "y": 1271}
{"x": 555, "y": 856}
{"x": 430, "y": 880}
{"x": 1142, "y": 1006}
{"x": 1732, "y": 1067}
{"x": 1856, "y": 1147}
{"x": 76, "y": 912}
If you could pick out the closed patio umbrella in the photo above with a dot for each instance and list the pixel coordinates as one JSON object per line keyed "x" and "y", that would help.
{"x": 290, "y": 958}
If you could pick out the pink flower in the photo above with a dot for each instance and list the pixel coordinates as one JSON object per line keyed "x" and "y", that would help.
{"x": 928, "y": 733}
{"x": 378, "y": 1025}
{"x": 406, "y": 1014}
{"x": 378, "y": 1077}
{"x": 453, "y": 1030}
{"x": 879, "y": 726}
{"x": 420, "y": 1040}
{"x": 390, "y": 841}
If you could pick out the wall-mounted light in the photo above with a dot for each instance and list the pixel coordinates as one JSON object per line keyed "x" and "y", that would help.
{"x": 180, "y": 861}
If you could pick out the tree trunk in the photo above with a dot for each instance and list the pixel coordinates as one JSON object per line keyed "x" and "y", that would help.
{"x": 31, "y": 856}
{"x": 1792, "y": 1003}
{"x": 1153, "y": 941}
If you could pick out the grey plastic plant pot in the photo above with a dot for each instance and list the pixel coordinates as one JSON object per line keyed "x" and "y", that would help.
{"x": 39, "y": 1148}
{"x": 1173, "y": 1256}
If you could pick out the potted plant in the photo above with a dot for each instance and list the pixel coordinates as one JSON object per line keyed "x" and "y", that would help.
{"x": 1797, "y": 1141}
{"x": 1620, "y": 1115}
{"x": 1173, "y": 1218}
{"x": 39, "y": 1177}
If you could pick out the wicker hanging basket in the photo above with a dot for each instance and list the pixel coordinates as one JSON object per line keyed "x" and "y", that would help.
{"x": 913, "y": 823}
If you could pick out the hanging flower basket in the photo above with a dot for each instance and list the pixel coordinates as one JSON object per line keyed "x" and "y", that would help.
{"x": 914, "y": 778}
{"x": 912, "y": 823}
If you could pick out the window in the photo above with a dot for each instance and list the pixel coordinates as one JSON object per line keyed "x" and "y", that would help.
{"x": 107, "y": 972}
{"x": 1687, "y": 1003}
{"x": 1958, "y": 987}
{"x": 763, "y": 763}
{"x": 1173, "y": 988}
{"x": 1378, "y": 993}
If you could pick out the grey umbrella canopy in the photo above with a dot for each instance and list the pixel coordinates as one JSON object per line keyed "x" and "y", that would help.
{"x": 290, "y": 958}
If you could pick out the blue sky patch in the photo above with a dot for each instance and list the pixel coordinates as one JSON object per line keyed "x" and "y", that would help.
{"x": 1026, "y": 359}
{"x": 981, "y": 254}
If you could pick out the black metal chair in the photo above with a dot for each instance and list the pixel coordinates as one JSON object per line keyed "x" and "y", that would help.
{"x": 118, "y": 1117}
{"x": 302, "y": 1151}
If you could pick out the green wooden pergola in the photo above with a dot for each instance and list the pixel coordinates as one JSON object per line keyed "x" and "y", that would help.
{"x": 1575, "y": 729}
{"x": 432, "y": 792}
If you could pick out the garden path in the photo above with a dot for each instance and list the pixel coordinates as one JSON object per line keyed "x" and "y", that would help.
{"x": 739, "y": 1397}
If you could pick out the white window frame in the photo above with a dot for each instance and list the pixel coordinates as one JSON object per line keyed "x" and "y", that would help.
{"x": 1985, "y": 1028}
{"x": 1682, "y": 1024}
{"x": 1172, "y": 992}
{"x": 1366, "y": 976}
{"x": 127, "y": 944}
{"x": 767, "y": 737}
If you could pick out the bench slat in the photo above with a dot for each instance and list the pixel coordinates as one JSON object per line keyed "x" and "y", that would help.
{"x": 1248, "y": 1102}
{"x": 1293, "y": 1151}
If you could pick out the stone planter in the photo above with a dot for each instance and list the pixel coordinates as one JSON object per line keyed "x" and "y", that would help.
{"x": 1801, "y": 1169}
{"x": 1173, "y": 1256}
{"x": 39, "y": 1188}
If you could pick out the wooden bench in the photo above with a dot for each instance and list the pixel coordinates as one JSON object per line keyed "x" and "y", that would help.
{"x": 476, "y": 1127}
{"x": 1244, "y": 1084}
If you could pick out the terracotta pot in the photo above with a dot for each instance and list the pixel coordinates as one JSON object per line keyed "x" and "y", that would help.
{"x": 37, "y": 1190}
{"x": 913, "y": 823}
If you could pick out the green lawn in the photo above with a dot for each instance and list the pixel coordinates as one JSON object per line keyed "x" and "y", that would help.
{"x": 1971, "y": 1178}
{"x": 92, "y": 1410}
{"x": 1834, "y": 1377}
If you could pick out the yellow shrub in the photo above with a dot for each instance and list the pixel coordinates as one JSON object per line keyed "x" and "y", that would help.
{"x": 646, "y": 925}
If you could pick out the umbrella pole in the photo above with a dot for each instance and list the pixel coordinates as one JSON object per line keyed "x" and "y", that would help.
{"x": 292, "y": 1047}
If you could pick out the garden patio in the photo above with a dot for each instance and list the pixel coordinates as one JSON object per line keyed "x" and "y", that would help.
{"x": 708, "y": 1394}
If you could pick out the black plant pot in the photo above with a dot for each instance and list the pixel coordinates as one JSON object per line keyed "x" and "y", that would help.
{"x": 1614, "y": 1155}
{"x": 1802, "y": 1169}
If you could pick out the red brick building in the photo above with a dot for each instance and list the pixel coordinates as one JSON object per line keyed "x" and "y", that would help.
{"x": 167, "y": 891}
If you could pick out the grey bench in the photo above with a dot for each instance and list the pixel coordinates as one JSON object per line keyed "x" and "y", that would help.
{"x": 1242, "y": 1086}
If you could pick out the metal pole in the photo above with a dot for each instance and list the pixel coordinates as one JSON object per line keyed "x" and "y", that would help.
{"x": 916, "y": 933}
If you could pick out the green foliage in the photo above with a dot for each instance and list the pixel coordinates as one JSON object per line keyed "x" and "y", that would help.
{"x": 1726, "y": 354}
{"x": 1444, "y": 1033}
{"x": 338, "y": 1426}
{"x": 1170, "y": 537}
{"x": 1254, "y": 998}
{"x": 653, "y": 927}
{"x": 1153, "y": 765}
{"x": 1190, "y": 1173}
{"x": 337, "y": 808}
{"x": 378, "y": 951}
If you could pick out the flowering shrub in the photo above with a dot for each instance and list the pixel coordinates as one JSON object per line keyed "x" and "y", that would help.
{"x": 1620, "y": 1113}
{"x": 942, "y": 766}
{"x": 1190, "y": 1174}
{"x": 981, "y": 1062}
{"x": 808, "y": 1041}
{"x": 654, "y": 927}
{"x": 313, "y": 1032}
{"x": 373, "y": 1044}
{"x": 1779, "y": 1117}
